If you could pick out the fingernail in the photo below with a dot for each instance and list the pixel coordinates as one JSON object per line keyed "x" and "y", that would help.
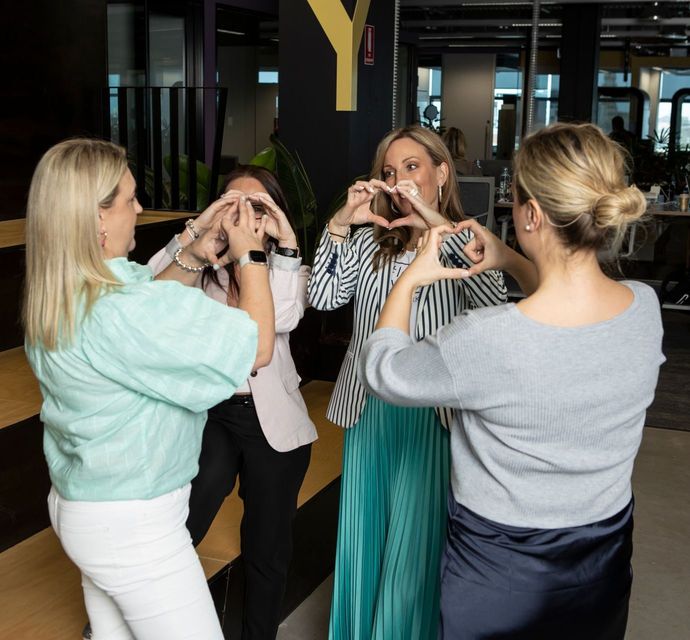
{"x": 243, "y": 199}
{"x": 370, "y": 189}
{"x": 216, "y": 267}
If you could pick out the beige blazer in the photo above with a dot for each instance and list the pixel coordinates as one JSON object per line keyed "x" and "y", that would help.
{"x": 279, "y": 404}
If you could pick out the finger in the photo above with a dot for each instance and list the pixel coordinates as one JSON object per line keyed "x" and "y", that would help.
{"x": 264, "y": 198}
{"x": 401, "y": 222}
{"x": 362, "y": 185}
{"x": 232, "y": 193}
{"x": 224, "y": 260}
{"x": 471, "y": 224}
{"x": 379, "y": 184}
{"x": 379, "y": 220}
{"x": 270, "y": 204}
{"x": 260, "y": 229}
{"x": 247, "y": 218}
{"x": 444, "y": 229}
{"x": 456, "y": 274}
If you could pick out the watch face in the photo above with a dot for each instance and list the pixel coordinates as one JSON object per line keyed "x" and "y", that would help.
{"x": 258, "y": 256}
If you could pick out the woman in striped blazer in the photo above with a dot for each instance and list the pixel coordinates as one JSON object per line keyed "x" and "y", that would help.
{"x": 396, "y": 461}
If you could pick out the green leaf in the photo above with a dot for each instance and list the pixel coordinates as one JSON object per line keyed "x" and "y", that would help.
{"x": 266, "y": 158}
{"x": 203, "y": 180}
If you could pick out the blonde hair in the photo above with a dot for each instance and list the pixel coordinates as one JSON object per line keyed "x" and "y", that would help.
{"x": 393, "y": 241}
{"x": 65, "y": 268}
{"x": 454, "y": 139}
{"x": 577, "y": 175}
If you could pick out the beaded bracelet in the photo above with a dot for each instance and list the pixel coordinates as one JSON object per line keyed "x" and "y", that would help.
{"x": 187, "y": 267}
{"x": 191, "y": 229}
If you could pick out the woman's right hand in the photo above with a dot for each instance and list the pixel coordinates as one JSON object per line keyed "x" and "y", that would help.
{"x": 485, "y": 250}
{"x": 242, "y": 232}
{"x": 212, "y": 239}
{"x": 356, "y": 209}
{"x": 207, "y": 218}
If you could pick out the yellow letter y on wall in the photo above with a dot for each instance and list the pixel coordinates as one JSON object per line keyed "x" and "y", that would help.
{"x": 345, "y": 36}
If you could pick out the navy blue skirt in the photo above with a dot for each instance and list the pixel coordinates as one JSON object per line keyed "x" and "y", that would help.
{"x": 500, "y": 582}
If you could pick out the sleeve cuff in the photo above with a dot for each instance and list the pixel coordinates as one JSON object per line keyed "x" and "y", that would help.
{"x": 284, "y": 263}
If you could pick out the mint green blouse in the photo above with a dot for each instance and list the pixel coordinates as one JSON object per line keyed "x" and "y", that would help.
{"x": 125, "y": 404}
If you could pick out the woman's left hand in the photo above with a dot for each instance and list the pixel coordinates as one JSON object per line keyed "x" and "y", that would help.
{"x": 424, "y": 216}
{"x": 426, "y": 267}
{"x": 277, "y": 225}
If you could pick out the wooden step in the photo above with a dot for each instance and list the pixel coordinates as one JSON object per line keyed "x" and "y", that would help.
{"x": 154, "y": 230}
{"x": 12, "y": 231}
{"x": 40, "y": 589}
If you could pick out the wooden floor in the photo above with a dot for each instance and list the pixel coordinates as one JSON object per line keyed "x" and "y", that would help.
{"x": 40, "y": 595}
{"x": 20, "y": 397}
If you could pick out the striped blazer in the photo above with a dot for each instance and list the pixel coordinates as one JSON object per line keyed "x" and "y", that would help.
{"x": 345, "y": 270}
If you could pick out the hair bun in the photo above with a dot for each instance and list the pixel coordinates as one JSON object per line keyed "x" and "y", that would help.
{"x": 619, "y": 209}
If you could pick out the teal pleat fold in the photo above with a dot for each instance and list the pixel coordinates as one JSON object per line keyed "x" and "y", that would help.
{"x": 392, "y": 525}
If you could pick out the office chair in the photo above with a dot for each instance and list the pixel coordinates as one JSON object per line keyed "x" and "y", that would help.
{"x": 477, "y": 198}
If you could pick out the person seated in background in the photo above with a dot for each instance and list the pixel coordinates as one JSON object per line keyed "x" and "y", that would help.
{"x": 262, "y": 434}
{"x": 127, "y": 367}
{"x": 549, "y": 394}
{"x": 620, "y": 134}
{"x": 454, "y": 139}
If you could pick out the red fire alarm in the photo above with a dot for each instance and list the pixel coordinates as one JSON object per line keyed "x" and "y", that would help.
{"x": 368, "y": 44}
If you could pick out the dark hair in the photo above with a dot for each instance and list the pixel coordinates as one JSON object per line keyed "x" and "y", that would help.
{"x": 270, "y": 183}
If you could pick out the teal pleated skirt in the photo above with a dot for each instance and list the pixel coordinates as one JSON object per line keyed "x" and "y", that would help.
{"x": 392, "y": 525}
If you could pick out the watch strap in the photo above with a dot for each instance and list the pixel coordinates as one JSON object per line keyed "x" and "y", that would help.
{"x": 288, "y": 252}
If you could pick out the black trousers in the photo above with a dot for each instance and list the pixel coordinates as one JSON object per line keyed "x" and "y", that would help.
{"x": 234, "y": 445}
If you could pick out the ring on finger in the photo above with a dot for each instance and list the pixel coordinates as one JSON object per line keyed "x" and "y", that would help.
{"x": 414, "y": 192}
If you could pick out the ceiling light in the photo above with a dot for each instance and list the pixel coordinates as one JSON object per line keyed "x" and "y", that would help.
{"x": 232, "y": 33}
{"x": 541, "y": 24}
{"x": 446, "y": 37}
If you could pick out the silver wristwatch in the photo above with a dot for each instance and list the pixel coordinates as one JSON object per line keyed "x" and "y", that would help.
{"x": 253, "y": 257}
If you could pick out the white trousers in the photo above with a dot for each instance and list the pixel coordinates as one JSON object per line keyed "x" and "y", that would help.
{"x": 141, "y": 576}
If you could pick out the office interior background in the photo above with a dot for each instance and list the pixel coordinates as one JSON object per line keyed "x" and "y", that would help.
{"x": 193, "y": 87}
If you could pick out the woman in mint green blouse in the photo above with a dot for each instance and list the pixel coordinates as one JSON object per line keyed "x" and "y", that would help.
{"x": 128, "y": 366}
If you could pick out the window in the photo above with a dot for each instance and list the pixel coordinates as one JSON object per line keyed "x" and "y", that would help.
{"x": 429, "y": 94}
{"x": 268, "y": 76}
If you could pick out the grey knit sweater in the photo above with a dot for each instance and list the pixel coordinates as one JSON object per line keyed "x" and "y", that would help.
{"x": 548, "y": 419}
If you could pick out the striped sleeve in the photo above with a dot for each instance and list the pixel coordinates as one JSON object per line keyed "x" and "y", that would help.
{"x": 334, "y": 275}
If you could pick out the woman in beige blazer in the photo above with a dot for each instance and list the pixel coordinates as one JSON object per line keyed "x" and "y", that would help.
{"x": 262, "y": 433}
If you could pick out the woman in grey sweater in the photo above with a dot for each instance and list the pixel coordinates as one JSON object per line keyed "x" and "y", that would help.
{"x": 550, "y": 397}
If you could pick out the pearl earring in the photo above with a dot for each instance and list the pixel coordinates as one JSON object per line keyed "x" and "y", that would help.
{"x": 528, "y": 227}
{"x": 103, "y": 236}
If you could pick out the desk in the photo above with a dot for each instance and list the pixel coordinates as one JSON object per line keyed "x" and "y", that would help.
{"x": 503, "y": 210}
{"x": 663, "y": 216}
